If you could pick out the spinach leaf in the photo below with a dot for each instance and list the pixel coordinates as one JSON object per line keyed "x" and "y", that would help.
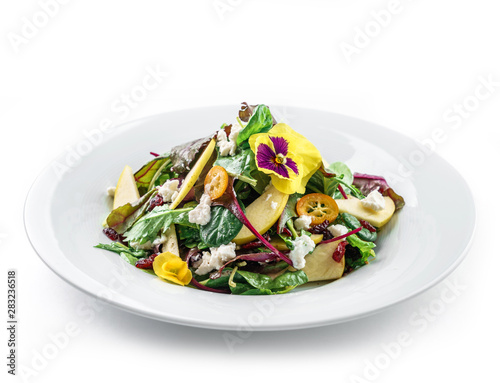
{"x": 190, "y": 237}
{"x": 239, "y": 166}
{"x": 222, "y": 227}
{"x": 260, "y": 122}
{"x": 160, "y": 218}
{"x": 145, "y": 174}
{"x": 123, "y": 217}
{"x": 352, "y": 223}
{"x": 262, "y": 281}
{"x": 248, "y": 283}
{"x": 319, "y": 183}
{"x": 185, "y": 155}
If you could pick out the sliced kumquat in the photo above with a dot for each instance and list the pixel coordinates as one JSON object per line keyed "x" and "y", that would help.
{"x": 320, "y": 207}
{"x": 216, "y": 182}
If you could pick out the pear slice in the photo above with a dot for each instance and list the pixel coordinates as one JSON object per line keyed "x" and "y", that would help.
{"x": 280, "y": 245}
{"x": 262, "y": 214}
{"x": 354, "y": 207}
{"x": 126, "y": 188}
{"x": 171, "y": 245}
{"x": 320, "y": 265}
{"x": 193, "y": 174}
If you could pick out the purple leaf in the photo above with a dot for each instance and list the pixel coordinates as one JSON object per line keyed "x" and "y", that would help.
{"x": 367, "y": 183}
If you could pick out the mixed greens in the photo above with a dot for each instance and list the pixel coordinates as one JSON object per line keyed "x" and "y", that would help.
{"x": 252, "y": 209}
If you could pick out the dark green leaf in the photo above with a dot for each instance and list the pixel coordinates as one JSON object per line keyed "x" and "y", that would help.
{"x": 261, "y": 281}
{"x": 353, "y": 223}
{"x": 260, "y": 122}
{"x": 221, "y": 229}
{"x": 190, "y": 237}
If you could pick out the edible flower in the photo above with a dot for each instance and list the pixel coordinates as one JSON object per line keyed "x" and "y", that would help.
{"x": 288, "y": 157}
{"x": 172, "y": 268}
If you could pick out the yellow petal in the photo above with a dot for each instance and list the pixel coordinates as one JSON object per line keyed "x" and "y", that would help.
{"x": 172, "y": 268}
{"x": 304, "y": 149}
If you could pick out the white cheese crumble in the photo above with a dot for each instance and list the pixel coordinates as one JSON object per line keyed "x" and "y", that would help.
{"x": 111, "y": 191}
{"x": 169, "y": 190}
{"x": 201, "y": 213}
{"x": 303, "y": 222}
{"x": 374, "y": 201}
{"x": 274, "y": 205}
{"x": 216, "y": 258}
{"x": 303, "y": 245}
{"x": 145, "y": 246}
{"x": 227, "y": 145}
{"x": 338, "y": 230}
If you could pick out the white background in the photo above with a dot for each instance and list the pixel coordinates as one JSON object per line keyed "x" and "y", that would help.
{"x": 64, "y": 77}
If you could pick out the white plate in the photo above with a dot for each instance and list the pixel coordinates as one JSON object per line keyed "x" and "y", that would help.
{"x": 425, "y": 241}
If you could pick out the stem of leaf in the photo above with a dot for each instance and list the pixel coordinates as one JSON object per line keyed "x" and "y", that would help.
{"x": 289, "y": 224}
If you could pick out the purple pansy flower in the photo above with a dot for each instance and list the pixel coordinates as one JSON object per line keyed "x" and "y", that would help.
{"x": 275, "y": 158}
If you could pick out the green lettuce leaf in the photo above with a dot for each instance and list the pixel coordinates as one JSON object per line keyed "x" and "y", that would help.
{"x": 159, "y": 219}
{"x": 129, "y": 254}
{"x": 239, "y": 166}
{"x": 366, "y": 252}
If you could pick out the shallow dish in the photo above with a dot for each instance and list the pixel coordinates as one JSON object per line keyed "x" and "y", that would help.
{"x": 421, "y": 245}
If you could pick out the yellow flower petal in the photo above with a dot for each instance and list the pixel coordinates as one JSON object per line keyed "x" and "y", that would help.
{"x": 301, "y": 150}
{"x": 311, "y": 157}
{"x": 172, "y": 268}
{"x": 263, "y": 138}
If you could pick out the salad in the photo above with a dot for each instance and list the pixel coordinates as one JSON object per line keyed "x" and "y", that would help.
{"x": 251, "y": 209}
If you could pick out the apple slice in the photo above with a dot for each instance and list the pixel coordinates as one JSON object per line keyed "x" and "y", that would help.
{"x": 320, "y": 265}
{"x": 354, "y": 207}
{"x": 278, "y": 243}
{"x": 193, "y": 174}
{"x": 262, "y": 214}
{"x": 126, "y": 188}
{"x": 171, "y": 244}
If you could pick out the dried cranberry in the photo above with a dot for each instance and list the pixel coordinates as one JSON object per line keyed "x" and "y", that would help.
{"x": 156, "y": 201}
{"x": 339, "y": 251}
{"x": 322, "y": 228}
{"x": 286, "y": 232}
{"x": 146, "y": 263}
{"x": 111, "y": 234}
{"x": 367, "y": 226}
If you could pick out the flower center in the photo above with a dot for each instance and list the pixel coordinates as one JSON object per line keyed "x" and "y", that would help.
{"x": 280, "y": 159}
